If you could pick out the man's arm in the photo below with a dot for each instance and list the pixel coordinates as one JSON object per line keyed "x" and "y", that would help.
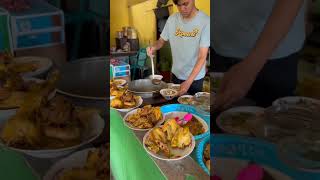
{"x": 156, "y": 46}
{"x": 200, "y": 63}
{"x": 239, "y": 79}
{"x": 202, "y": 55}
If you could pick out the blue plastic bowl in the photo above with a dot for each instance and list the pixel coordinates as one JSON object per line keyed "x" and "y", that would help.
{"x": 190, "y": 109}
{"x": 199, "y": 153}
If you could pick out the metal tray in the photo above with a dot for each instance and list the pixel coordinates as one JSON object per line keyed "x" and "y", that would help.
{"x": 145, "y": 88}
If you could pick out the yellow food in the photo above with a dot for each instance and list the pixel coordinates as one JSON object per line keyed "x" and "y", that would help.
{"x": 95, "y": 168}
{"x": 170, "y": 128}
{"x": 53, "y": 124}
{"x": 117, "y": 90}
{"x": 146, "y": 117}
{"x": 158, "y": 140}
{"x": 181, "y": 138}
{"x": 127, "y": 100}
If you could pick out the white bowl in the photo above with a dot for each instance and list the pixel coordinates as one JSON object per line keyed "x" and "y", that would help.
{"x": 171, "y": 96}
{"x": 156, "y": 76}
{"x": 44, "y": 64}
{"x": 174, "y": 86}
{"x": 294, "y": 100}
{"x": 140, "y": 101}
{"x": 27, "y": 79}
{"x": 233, "y": 130}
{"x": 198, "y": 94}
{"x": 176, "y": 151}
{"x": 184, "y": 96}
{"x": 75, "y": 160}
{"x": 138, "y": 129}
{"x": 96, "y": 126}
{"x": 121, "y": 82}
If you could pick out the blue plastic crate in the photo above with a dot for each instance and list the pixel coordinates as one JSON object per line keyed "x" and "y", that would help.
{"x": 37, "y": 26}
{"x": 5, "y": 34}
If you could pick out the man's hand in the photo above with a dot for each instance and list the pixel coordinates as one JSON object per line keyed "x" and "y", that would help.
{"x": 150, "y": 51}
{"x": 235, "y": 84}
{"x": 239, "y": 79}
{"x": 184, "y": 87}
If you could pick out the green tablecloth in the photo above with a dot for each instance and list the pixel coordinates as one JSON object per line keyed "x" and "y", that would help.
{"x": 128, "y": 159}
{"x": 14, "y": 167}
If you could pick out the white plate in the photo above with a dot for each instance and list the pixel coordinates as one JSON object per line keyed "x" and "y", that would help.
{"x": 294, "y": 100}
{"x": 122, "y": 82}
{"x": 180, "y": 99}
{"x": 44, "y": 63}
{"x": 174, "y": 86}
{"x": 202, "y": 94}
{"x": 181, "y": 152}
{"x": 95, "y": 129}
{"x": 172, "y": 115}
{"x": 232, "y": 130}
{"x": 138, "y": 129}
{"x": 236, "y": 165}
{"x": 75, "y": 160}
{"x": 50, "y": 96}
{"x": 127, "y": 110}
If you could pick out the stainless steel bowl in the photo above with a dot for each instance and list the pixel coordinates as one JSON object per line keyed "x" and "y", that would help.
{"x": 85, "y": 81}
{"x": 145, "y": 88}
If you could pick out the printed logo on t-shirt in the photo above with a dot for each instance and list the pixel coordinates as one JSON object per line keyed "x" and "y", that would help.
{"x": 181, "y": 33}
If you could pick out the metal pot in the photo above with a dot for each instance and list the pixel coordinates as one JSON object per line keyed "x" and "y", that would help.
{"x": 119, "y": 34}
{"x": 125, "y": 31}
{"x": 132, "y": 34}
{"x": 145, "y": 88}
{"x": 84, "y": 81}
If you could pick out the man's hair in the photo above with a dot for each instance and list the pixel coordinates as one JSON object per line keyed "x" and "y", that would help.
{"x": 175, "y": 2}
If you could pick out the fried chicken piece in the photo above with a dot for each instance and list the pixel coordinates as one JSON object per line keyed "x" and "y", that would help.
{"x": 116, "y": 91}
{"x": 21, "y": 132}
{"x": 157, "y": 113}
{"x": 157, "y": 134}
{"x": 170, "y": 127}
{"x": 116, "y": 103}
{"x": 152, "y": 146}
{"x": 142, "y": 123}
{"x": 58, "y": 119}
{"x": 181, "y": 138}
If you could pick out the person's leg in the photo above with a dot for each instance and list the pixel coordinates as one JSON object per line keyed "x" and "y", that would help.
{"x": 278, "y": 78}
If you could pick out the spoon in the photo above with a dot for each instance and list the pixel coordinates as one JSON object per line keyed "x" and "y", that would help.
{"x": 184, "y": 120}
{"x": 154, "y": 81}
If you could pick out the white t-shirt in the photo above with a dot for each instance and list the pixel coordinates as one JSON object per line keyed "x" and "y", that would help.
{"x": 237, "y": 25}
{"x": 185, "y": 39}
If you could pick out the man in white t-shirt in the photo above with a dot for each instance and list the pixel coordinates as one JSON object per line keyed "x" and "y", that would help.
{"x": 188, "y": 32}
{"x": 256, "y": 43}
